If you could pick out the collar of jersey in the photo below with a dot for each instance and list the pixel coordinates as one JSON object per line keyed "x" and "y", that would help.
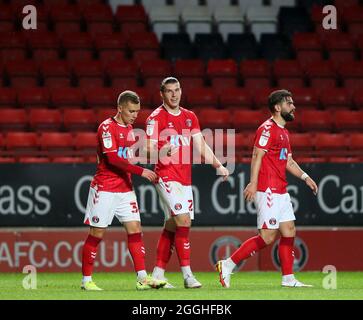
{"x": 173, "y": 114}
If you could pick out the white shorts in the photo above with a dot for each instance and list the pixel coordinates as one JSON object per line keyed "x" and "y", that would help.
{"x": 102, "y": 206}
{"x": 175, "y": 198}
{"x": 272, "y": 209}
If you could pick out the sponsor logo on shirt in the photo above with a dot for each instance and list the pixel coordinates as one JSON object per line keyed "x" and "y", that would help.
{"x": 125, "y": 152}
{"x": 107, "y": 139}
{"x": 179, "y": 140}
{"x": 283, "y": 154}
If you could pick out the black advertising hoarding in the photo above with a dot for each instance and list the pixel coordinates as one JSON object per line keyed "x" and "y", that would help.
{"x": 55, "y": 195}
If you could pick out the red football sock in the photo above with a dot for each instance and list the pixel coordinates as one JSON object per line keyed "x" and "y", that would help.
{"x": 89, "y": 254}
{"x": 137, "y": 250}
{"x": 165, "y": 248}
{"x": 182, "y": 245}
{"x": 286, "y": 255}
{"x": 248, "y": 249}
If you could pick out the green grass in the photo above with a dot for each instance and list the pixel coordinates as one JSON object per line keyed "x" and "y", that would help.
{"x": 121, "y": 286}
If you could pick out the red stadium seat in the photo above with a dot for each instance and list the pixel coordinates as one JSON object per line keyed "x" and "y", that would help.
{"x": 260, "y": 97}
{"x": 79, "y": 46}
{"x": 144, "y": 46}
{"x": 7, "y": 97}
{"x": 99, "y": 18}
{"x": 122, "y": 71}
{"x": 66, "y": 18}
{"x": 45, "y": 119}
{"x": 33, "y": 159}
{"x": 89, "y": 74}
{"x": 34, "y": 97}
{"x": 13, "y": 120}
{"x": 308, "y": 47}
{"x": 79, "y": 120}
{"x": 222, "y": 74}
{"x": 7, "y": 18}
{"x": 111, "y": 47}
{"x": 63, "y": 159}
{"x": 351, "y": 73}
{"x": 358, "y": 99}
{"x": 305, "y": 98}
{"x": 102, "y": 98}
{"x": 131, "y": 18}
{"x": 236, "y": 98}
{"x": 335, "y": 98}
{"x": 321, "y": 74}
{"x": 153, "y": 71}
{"x": 214, "y": 119}
{"x": 348, "y": 120}
{"x": 56, "y": 73}
{"x": 103, "y": 114}
{"x": 255, "y": 73}
{"x": 355, "y": 142}
{"x": 86, "y": 142}
{"x": 301, "y": 143}
{"x": 319, "y": 120}
{"x": 24, "y": 143}
{"x": 63, "y": 97}
{"x": 189, "y": 68}
{"x": 23, "y": 73}
{"x": 353, "y": 17}
{"x": 247, "y": 120}
{"x": 330, "y": 143}
{"x": 43, "y": 44}
{"x": 12, "y": 46}
{"x": 56, "y": 143}
{"x": 141, "y": 118}
{"x": 202, "y": 97}
{"x": 146, "y": 97}
{"x": 339, "y": 46}
{"x": 288, "y": 74}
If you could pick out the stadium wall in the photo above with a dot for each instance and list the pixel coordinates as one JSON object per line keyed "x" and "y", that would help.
{"x": 55, "y": 195}
{"x": 59, "y": 250}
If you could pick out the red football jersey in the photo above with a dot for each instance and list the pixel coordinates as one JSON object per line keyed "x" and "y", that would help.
{"x": 274, "y": 139}
{"x": 177, "y": 130}
{"x": 113, "y": 137}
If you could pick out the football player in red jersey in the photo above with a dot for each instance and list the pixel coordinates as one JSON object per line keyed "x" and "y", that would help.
{"x": 171, "y": 132}
{"x": 111, "y": 192}
{"x": 271, "y": 158}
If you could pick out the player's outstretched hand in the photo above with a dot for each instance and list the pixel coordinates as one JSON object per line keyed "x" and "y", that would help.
{"x": 312, "y": 185}
{"x": 250, "y": 191}
{"x": 223, "y": 171}
{"x": 149, "y": 175}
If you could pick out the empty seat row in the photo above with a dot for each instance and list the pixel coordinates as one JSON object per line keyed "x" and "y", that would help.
{"x": 239, "y": 98}
{"x": 240, "y": 120}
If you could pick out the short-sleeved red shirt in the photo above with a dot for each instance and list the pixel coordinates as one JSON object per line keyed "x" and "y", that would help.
{"x": 274, "y": 139}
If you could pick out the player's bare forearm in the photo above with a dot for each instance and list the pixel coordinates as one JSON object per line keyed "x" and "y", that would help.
{"x": 251, "y": 188}
{"x": 256, "y": 161}
{"x": 205, "y": 151}
{"x": 293, "y": 168}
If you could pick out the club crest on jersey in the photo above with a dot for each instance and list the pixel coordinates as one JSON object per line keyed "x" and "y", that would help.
{"x": 170, "y": 125}
{"x": 150, "y": 127}
{"x": 188, "y": 123}
{"x": 121, "y": 136}
{"x": 95, "y": 219}
{"x": 107, "y": 140}
{"x": 178, "y": 206}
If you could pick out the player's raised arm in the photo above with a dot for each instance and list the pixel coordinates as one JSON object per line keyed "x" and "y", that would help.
{"x": 295, "y": 170}
{"x": 251, "y": 188}
{"x": 209, "y": 156}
